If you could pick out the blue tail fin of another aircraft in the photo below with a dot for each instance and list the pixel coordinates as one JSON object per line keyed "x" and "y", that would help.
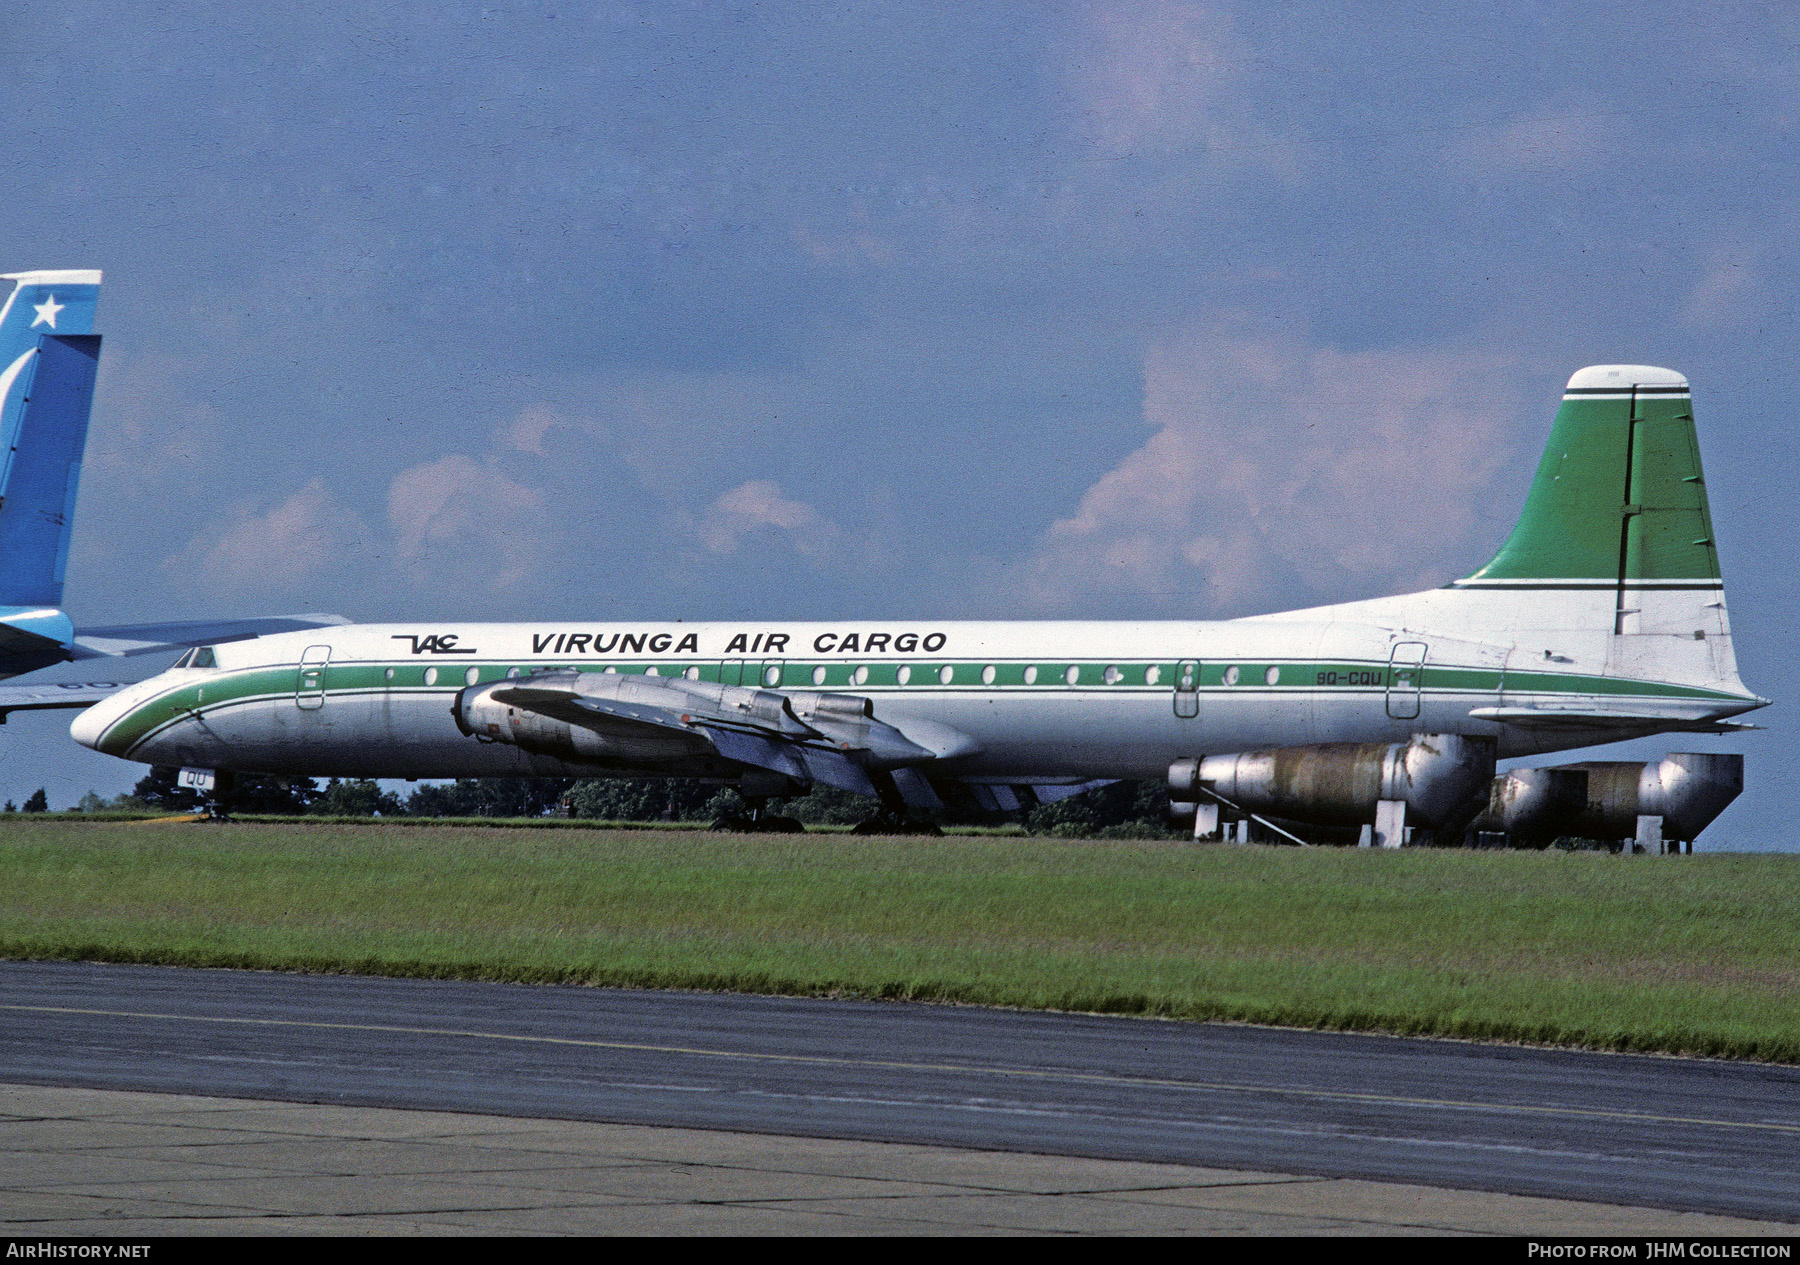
{"x": 44, "y": 302}
{"x": 37, "y": 499}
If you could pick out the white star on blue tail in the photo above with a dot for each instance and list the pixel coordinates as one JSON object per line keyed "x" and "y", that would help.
{"x": 46, "y": 312}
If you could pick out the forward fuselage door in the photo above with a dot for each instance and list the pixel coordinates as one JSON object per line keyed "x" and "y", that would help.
{"x": 1187, "y": 689}
{"x": 309, "y": 690}
{"x": 1406, "y": 674}
{"x": 749, "y": 672}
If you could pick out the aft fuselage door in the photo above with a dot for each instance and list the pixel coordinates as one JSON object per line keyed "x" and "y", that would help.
{"x": 1187, "y": 689}
{"x": 309, "y": 690}
{"x": 1406, "y": 674}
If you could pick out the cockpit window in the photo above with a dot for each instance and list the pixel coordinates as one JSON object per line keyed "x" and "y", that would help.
{"x": 199, "y": 657}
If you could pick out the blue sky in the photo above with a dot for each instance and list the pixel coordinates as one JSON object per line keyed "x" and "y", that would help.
{"x": 1110, "y": 309}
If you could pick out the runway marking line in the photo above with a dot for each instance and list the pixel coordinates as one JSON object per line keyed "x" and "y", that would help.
{"x": 1017, "y": 1073}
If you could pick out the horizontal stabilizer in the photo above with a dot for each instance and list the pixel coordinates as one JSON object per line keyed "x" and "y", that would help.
{"x": 64, "y": 694}
{"x": 1574, "y": 718}
{"x": 130, "y": 639}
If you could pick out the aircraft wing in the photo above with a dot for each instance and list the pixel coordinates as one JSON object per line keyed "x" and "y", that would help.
{"x": 33, "y": 698}
{"x": 834, "y": 739}
{"x": 799, "y": 755}
{"x": 831, "y": 739}
{"x": 129, "y": 639}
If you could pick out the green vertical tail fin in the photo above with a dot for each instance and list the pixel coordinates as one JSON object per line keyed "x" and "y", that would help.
{"x": 1619, "y": 496}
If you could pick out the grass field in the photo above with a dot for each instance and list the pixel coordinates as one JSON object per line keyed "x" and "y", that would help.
{"x": 1695, "y": 954}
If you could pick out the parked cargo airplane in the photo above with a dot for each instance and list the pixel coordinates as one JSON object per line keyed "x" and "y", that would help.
{"x": 49, "y": 355}
{"x": 1601, "y": 618}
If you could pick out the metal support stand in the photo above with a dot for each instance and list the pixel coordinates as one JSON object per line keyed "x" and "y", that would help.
{"x": 1649, "y": 836}
{"x": 1390, "y": 823}
{"x": 1206, "y": 821}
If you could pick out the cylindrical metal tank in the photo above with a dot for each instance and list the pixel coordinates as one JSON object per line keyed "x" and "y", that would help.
{"x": 1534, "y": 805}
{"x": 1688, "y": 790}
{"x": 1440, "y": 778}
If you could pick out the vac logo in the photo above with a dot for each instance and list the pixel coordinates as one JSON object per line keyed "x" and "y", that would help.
{"x": 435, "y": 643}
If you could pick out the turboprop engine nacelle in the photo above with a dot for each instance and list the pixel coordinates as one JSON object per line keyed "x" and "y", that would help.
{"x": 1684, "y": 791}
{"x": 1438, "y": 778}
{"x": 541, "y": 714}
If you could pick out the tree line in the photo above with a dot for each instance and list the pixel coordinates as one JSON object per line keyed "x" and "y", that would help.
{"x": 1126, "y": 809}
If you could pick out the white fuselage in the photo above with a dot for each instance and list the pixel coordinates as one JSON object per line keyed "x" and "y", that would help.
{"x": 993, "y": 700}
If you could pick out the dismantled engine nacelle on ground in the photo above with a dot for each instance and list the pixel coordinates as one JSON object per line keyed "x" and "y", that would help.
{"x": 1436, "y": 782}
{"x": 1650, "y": 806}
{"x": 1431, "y": 782}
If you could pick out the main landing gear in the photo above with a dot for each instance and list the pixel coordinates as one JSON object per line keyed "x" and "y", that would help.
{"x": 757, "y": 819}
{"x": 895, "y": 817}
{"x": 889, "y": 822}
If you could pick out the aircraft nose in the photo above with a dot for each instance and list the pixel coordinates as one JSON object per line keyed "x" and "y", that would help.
{"x": 91, "y": 723}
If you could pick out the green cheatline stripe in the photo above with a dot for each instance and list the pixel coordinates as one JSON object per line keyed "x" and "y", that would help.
{"x": 1349, "y": 677}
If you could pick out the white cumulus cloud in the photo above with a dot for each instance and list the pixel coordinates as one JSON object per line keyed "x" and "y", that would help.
{"x": 466, "y": 511}
{"x": 256, "y": 552}
{"x": 1282, "y": 473}
{"x": 1549, "y": 139}
{"x": 757, "y": 506}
